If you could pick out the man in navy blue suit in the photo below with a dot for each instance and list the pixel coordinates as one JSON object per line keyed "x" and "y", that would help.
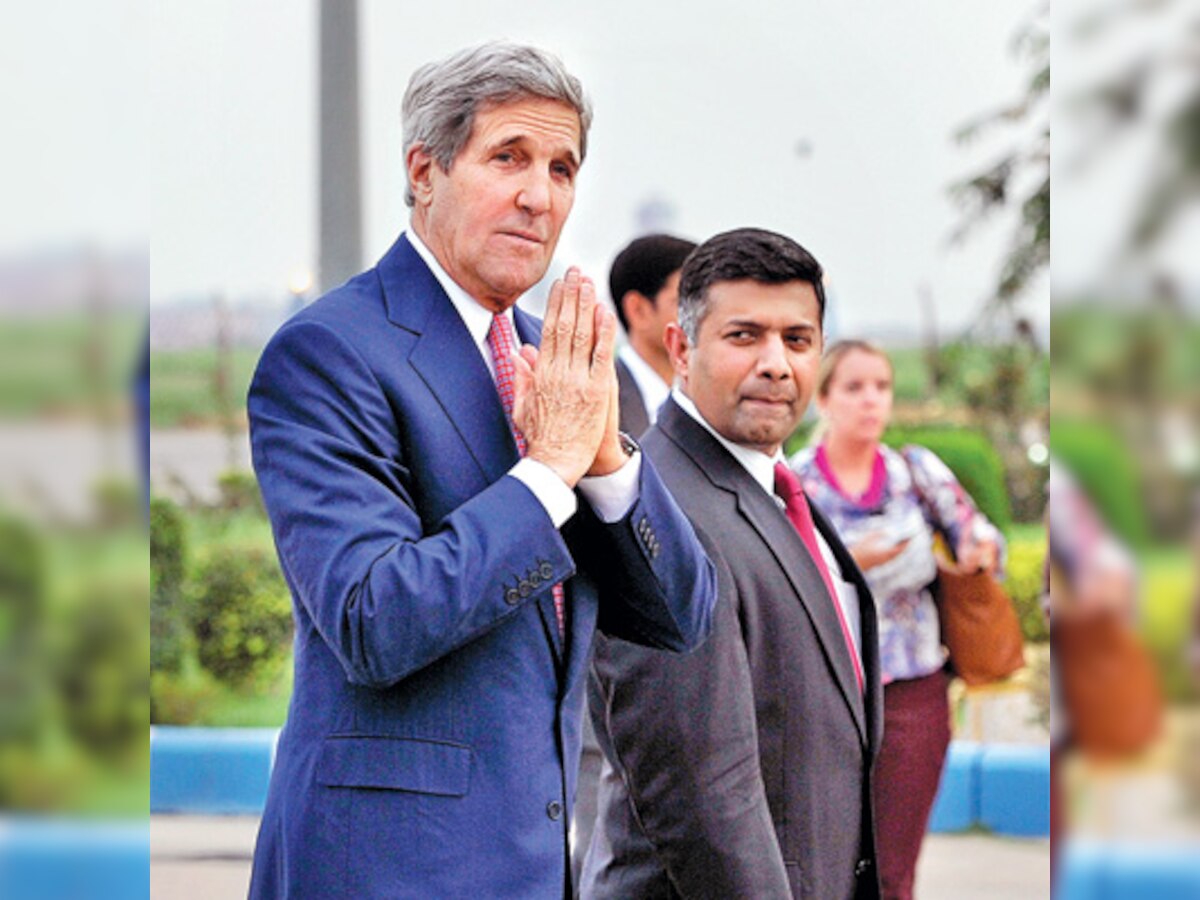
{"x": 456, "y": 513}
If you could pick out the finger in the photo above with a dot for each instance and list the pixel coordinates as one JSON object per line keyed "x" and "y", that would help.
{"x": 606, "y": 337}
{"x": 523, "y": 363}
{"x": 529, "y": 354}
{"x": 564, "y": 327}
{"x": 584, "y": 338}
{"x": 553, "y": 310}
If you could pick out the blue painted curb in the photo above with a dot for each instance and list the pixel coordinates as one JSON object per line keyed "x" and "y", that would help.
{"x": 49, "y": 859}
{"x": 210, "y": 770}
{"x": 1014, "y": 790}
{"x": 1097, "y": 870}
{"x": 957, "y": 805}
{"x": 226, "y": 771}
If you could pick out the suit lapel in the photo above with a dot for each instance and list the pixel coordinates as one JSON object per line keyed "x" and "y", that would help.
{"x": 449, "y": 362}
{"x": 868, "y": 625}
{"x": 447, "y": 359}
{"x": 768, "y": 520}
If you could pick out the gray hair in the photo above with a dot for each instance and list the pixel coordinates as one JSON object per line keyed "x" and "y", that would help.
{"x": 444, "y": 97}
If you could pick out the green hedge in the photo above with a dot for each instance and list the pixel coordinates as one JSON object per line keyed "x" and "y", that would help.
{"x": 972, "y": 459}
{"x": 1106, "y": 472}
{"x": 1025, "y": 583}
{"x": 167, "y": 558}
{"x": 241, "y": 614}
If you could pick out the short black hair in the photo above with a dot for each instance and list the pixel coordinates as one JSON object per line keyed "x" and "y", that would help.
{"x": 752, "y": 254}
{"x": 644, "y": 266}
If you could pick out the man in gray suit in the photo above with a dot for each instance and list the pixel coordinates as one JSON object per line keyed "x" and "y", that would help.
{"x": 644, "y": 285}
{"x": 743, "y": 769}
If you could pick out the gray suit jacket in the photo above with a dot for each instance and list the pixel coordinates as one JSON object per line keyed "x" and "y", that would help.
{"x": 634, "y": 420}
{"x": 742, "y": 769}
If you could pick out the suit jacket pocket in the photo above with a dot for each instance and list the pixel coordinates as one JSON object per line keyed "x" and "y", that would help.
{"x": 395, "y": 764}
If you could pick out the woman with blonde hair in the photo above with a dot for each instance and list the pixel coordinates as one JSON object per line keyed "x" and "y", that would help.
{"x": 887, "y": 506}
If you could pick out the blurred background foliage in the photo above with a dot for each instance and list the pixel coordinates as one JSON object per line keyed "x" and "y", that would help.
{"x": 220, "y": 612}
{"x": 74, "y": 663}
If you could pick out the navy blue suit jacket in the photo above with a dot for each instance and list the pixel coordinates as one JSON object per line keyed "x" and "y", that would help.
{"x": 433, "y": 736}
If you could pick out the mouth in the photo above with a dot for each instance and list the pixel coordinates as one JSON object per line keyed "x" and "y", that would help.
{"x": 525, "y": 237}
{"x": 769, "y": 402}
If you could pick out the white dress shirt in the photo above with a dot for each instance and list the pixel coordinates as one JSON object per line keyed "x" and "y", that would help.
{"x": 762, "y": 469}
{"x": 611, "y": 496}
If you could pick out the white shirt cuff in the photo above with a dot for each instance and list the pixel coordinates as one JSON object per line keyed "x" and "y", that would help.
{"x": 612, "y": 496}
{"x": 551, "y": 491}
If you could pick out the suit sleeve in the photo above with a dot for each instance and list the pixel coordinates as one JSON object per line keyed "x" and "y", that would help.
{"x": 658, "y": 587}
{"x": 684, "y": 736}
{"x": 385, "y": 596}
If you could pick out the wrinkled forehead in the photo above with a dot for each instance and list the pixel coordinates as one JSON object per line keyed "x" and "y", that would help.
{"x": 550, "y": 122}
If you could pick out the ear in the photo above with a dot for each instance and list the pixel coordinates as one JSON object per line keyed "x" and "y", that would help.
{"x": 420, "y": 173}
{"x": 678, "y": 349}
{"x": 633, "y": 304}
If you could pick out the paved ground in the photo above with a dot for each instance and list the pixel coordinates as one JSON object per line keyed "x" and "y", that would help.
{"x": 50, "y": 469}
{"x": 185, "y": 463}
{"x": 209, "y": 859}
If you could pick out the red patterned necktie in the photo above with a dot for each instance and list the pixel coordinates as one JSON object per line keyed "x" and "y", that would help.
{"x": 787, "y": 486}
{"x": 500, "y": 343}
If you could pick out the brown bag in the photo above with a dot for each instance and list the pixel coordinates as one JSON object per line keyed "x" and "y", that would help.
{"x": 979, "y": 626}
{"x": 1109, "y": 685}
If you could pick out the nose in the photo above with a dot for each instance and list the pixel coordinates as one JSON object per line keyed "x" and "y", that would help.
{"x": 772, "y": 359}
{"x": 534, "y": 195}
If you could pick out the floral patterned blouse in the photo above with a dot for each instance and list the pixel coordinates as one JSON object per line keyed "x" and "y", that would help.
{"x": 909, "y": 639}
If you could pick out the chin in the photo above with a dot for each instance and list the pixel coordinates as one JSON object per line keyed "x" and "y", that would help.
{"x": 517, "y": 280}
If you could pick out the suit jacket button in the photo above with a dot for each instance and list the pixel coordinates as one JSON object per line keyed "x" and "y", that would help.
{"x": 554, "y": 810}
{"x": 535, "y": 579}
{"x": 512, "y": 597}
{"x": 546, "y": 571}
{"x": 861, "y": 867}
{"x": 524, "y": 589}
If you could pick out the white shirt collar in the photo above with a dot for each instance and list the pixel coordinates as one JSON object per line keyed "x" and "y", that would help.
{"x": 476, "y": 316}
{"x": 653, "y": 389}
{"x": 760, "y": 466}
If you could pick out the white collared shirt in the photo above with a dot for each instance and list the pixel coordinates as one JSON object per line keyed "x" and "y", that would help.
{"x": 653, "y": 389}
{"x": 762, "y": 469}
{"x": 611, "y": 496}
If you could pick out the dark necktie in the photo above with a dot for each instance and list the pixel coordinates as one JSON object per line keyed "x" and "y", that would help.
{"x": 500, "y": 343}
{"x": 787, "y": 486}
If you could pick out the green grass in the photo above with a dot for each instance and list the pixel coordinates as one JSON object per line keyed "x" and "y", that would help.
{"x": 970, "y": 364}
{"x": 183, "y": 386}
{"x": 67, "y": 364}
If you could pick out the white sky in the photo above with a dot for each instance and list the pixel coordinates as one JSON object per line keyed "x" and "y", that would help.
{"x": 699, "y": 103}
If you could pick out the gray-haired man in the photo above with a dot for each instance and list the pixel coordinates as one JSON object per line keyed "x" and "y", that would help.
{"x": 456, "y": 513}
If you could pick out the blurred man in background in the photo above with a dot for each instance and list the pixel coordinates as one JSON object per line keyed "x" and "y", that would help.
{"x": 644, "y": 285}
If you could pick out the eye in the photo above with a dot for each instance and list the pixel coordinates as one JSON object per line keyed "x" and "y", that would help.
{"x": 563, "y": 171}
{"x": 799, "y": 341}
{"x": 504, "y": 156}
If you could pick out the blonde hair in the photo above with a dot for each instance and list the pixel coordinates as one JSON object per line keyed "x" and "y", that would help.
{"x": 829, "y": 366}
